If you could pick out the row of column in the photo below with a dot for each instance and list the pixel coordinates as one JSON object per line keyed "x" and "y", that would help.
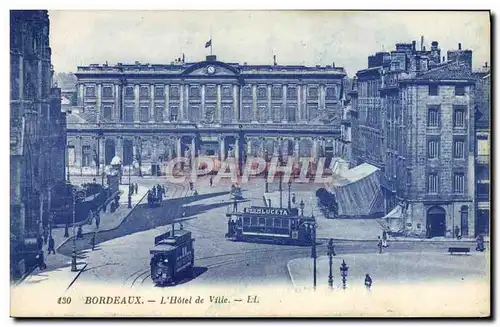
{"x": 278, "y": 144}
{"x": 184, "y": 102}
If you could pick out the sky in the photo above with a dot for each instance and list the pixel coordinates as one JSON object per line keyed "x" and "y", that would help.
{"x": 295, "y": 37}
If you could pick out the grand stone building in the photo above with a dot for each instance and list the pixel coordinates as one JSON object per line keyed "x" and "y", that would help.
{"x": 147, "y": 114}
{"x": 413, "y": 117}
{"x": 37, "y": 132}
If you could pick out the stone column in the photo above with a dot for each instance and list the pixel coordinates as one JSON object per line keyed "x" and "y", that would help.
{"x": 187, "y": 113}
{"x": 284, "y": 107}
{"x": 236, "y": 150}
{"x": 249, "y": 147}
{"x": 99, "y": 102}
{"x": 181, "y": 103}
{"x": 202, "y": 105}
{"x": 101, "y": 151}
{"x": 136, "y": 104}
{"x": 152, "y": 103}
{"x": 298, "y": 118}
{"x": 218, "y": 116}
{"x": 81, "y": 92}
{"x": 315, "y": 148}
{"x": 193, "y": 148}
{"x": 115, "y": 113}
{"x": 222, "y": 143}
{"x": 167, "y": 103}
{"x": 321, "y": 95}
{"x": 254, "y": 103}
{"x": 305, "y": 113}
{"x": 119, "y": 147}
{"x": 236, "y": 103}
{"x": 179, "y": 146}
{"x": 269, "y": 112}
{"x": 78, "y": 152}
{"x": 296, "y": 147}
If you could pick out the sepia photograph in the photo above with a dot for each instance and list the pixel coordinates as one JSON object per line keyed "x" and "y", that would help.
{"x": 250, "y": 163}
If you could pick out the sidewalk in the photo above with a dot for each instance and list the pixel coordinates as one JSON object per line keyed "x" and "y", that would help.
{"x": 58, "y": 272}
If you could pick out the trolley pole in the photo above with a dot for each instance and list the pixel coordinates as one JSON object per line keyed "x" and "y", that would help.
{"x": 331, "y": 253}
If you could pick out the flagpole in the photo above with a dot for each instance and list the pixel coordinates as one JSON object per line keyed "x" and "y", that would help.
{"x": 211, "y": 41}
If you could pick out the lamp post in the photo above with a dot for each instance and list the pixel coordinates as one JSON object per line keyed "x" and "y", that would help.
{"x": 313, "y": 250}
{"x": 73, "y": 257}
{"x": 289, "y": 197}
{"x": 331, "y": 254}
{"x": 343, "y": 272}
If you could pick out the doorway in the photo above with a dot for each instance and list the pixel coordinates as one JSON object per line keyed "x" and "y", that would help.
{"x": 464, "y": 221}
{"x": 436, "y": 222}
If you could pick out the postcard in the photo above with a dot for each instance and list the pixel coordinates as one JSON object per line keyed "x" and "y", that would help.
{"x": 250, "y": 163}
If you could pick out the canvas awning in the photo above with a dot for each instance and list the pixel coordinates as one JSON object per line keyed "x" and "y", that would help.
{"x": 394, "y": 219}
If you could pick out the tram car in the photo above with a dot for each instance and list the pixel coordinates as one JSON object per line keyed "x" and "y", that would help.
{"x": 172, "y": 256}
{"x": 270, "y": 225}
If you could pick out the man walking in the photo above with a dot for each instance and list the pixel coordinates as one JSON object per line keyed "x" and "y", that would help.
{"x": 97, "y": 220}
{"x": 384, "y": 239}
{"x": 51, "y": 245}
{"x": 379, "y": 244}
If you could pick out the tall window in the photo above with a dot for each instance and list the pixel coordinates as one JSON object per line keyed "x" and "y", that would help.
{"x": 458, "y": 182}
{"x": 226, "y": 92}
{"x": 291, "y": 114}
{"x": 277, "y": 92}
{"x": 432, "y": 183}
{"x": 194, "y": 92}
{"x": 331, "y": 92}
{"x": 144, "y": 92}
{"x": 129, "y": 92}
{"x": 174, "y": 92}
{"x": 433, "y": 117}
{"x": 107, "y": 92}
{"x": 158, "y": 114}
{"x": 312, "y": 92}
{"x": 291, "y": 93}
{"x": 247, "y": 92}
{"x": 129, "y": 114}
{"x": 433, "y": 148}
{"x": 86, "y": 156}
{"x": 458, "y": 116}
{"x": 128, "y": 152}
{"x": 174, "y": 112}
{"x": 71, "y": 155}
{"x": 433, "y": 90}
{"x": 211, "y": 92}
{"x": 262, "y": 92}
{"x": 159, "y": 91}
{"x": 90, "y": 91}
{"x": 458, "y": 148}
{"x": 106, "y": 112}
{"x": 459, "y": 90}
{"x": 144, "y": 114}
{"x": 277, "y": 113}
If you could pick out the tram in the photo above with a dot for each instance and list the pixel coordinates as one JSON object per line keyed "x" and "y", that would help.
{"x": 275, "y": 225}
{"x": 172, "y": 256}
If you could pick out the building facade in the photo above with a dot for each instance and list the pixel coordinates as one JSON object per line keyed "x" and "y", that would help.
{"x": 413, "y": 118}
{"x": 37, "y": 137}
{"x": 147, "y": 114}
{"x": 483, "y": 143}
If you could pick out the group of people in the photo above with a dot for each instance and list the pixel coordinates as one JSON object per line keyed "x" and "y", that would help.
{"x": 156, "y": 194}
{"x": 133, "y": 189}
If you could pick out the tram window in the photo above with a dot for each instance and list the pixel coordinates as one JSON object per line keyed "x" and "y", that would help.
{"x": 269, "y": 222}
{"x": 262, "y": 221}
{"x": 254, "y": 221}
{"x": 246, "y": 221}
{"x": 286, "y": 223}
{"x": 277, "y": 222}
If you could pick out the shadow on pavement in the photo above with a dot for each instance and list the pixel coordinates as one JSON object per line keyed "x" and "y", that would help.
{"x": 144, "y": 218}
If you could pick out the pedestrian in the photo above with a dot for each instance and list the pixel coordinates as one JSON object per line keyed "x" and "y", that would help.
{"x": 51, "y": 245}
{"x": 457, "y": 232}
{"x": 41, "y": 261}
{"x": 136, "y": 188}
{"x": 92, "y": 241}
{"x": 195, "y": 193}
{"x": 190, "y": 186}
{"x": 154, "y": 192}
{"x": 79, "y": 234}
{"x": 211, "y": 181}
{"x": 480, "y": 243}
{"x": 379, "y": 244}
{"x": 384, "y": 239}
{"x": 293, "y": 198}
{"x": 368, "y": 281}
{"x": 97, "y": 220}
{"x": 45, "y": 235}
{"x": 39, "y": 242}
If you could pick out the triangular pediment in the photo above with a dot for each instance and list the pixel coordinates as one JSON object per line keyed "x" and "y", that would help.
{"x": 211, "y": 68}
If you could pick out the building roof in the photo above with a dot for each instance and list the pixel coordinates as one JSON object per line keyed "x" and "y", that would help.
{"x": 449, "y": 71}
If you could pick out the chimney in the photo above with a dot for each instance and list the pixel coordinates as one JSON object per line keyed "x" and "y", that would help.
{"x": 486, "y": 64}
{"x": 460, "y": 46}
{"x": 333, "y": 64}
{"x": 422, "y": 48}
{"x": 414, "y": 44}
{"x": 274, "y": 59}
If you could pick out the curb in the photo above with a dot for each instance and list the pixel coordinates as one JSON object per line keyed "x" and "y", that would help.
{"x": 410, "y": 241}
{"x": 109, "y": 229}
{"x": 290, "y": 273}
{"x": 76, "y": 277}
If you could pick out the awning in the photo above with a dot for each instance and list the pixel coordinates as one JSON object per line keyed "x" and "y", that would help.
{"x": 393, "y": 220}
{"x": 396, "y": 213}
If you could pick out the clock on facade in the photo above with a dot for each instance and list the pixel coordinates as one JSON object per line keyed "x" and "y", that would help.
{"x": 210, "y": 69}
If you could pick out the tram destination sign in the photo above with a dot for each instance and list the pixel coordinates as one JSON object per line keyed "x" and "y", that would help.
{"x": 267, "y": 211}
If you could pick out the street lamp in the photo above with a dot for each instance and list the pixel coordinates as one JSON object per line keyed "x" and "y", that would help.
{"x": 343, "y": 272}
{"x": 289, "y": 198}
{"x": 331, "y": 254}
{"x": 73, "y": 259}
